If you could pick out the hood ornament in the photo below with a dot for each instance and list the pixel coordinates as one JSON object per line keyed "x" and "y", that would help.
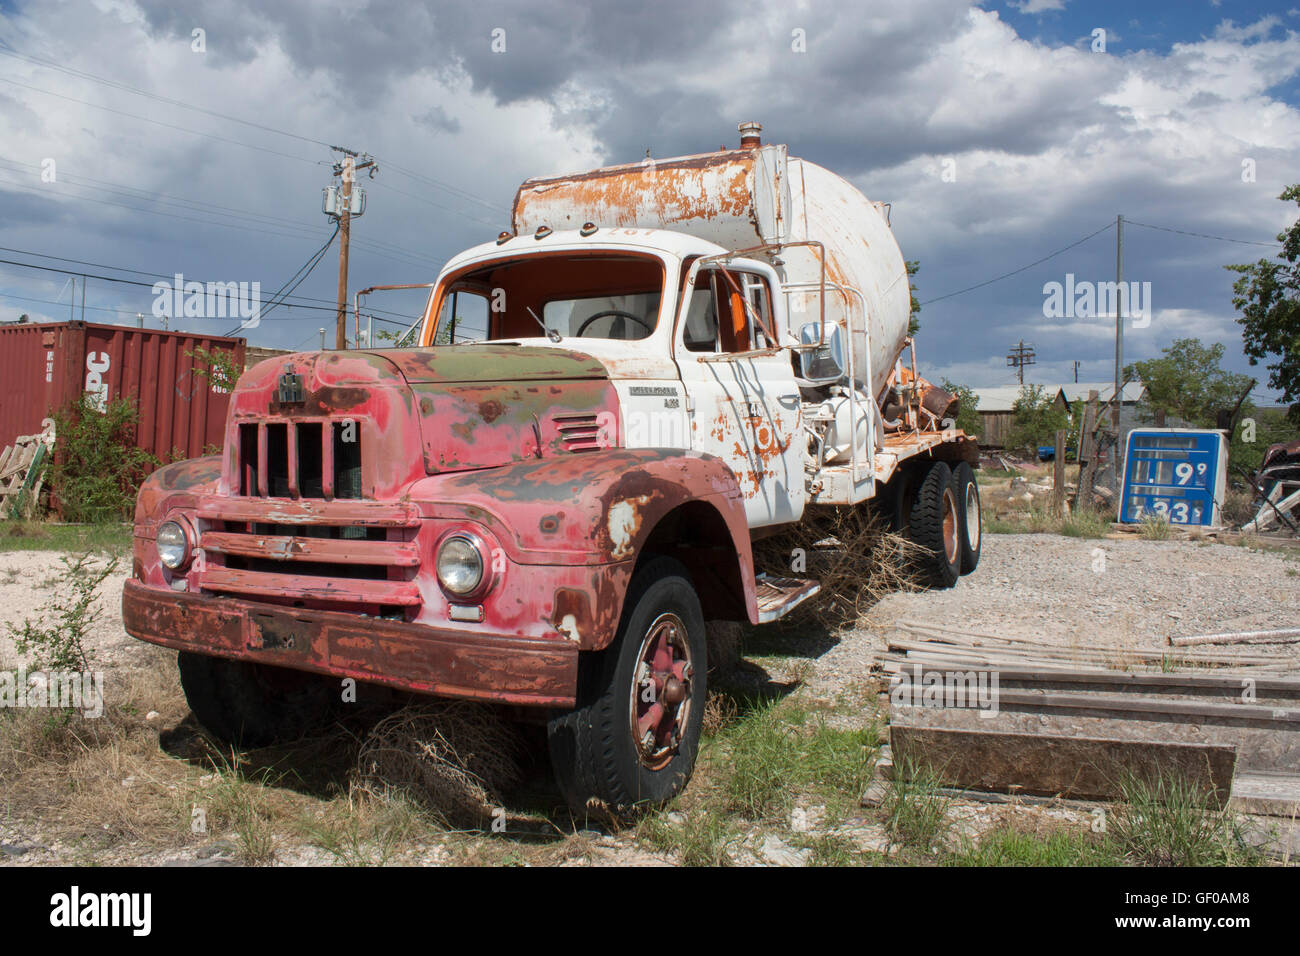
{"x": 289, "y": 389}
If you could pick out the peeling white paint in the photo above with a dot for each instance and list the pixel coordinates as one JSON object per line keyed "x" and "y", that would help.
{"x": 569, "y": 628}
{"x": 624, "y": 522}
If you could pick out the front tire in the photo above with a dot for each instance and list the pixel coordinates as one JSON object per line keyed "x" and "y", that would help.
{"x": 633, "y": 738}
{"x": 256, "y": 705}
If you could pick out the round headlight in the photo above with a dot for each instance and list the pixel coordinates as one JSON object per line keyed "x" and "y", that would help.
{"x": 460, "y": 565}
{"x": 173, "y": 545}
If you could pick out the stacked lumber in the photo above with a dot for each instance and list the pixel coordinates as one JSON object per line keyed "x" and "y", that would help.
{"x": 22, "y": 473}
{"x": 910, "y": 642}
{"x": 1077, "y": 721}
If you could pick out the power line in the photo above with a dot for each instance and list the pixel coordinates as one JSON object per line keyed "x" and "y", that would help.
{"x": 96, "y": 308}
{"x": 146, "y": 119}
{"x": 309, "y": 266}
{"x": 1007, "y": 275}
{"x": 383, "y": 254}
{"x": 150, "y": 285}
{"x": 439, "y": 184}
{"x": 1199, "y": 235}
{"x": 156, "y": 275}
{"x": 438, "y": 205}
{"x": 50, "y": 64}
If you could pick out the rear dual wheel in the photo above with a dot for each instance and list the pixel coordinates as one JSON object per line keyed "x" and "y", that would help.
{"x": 945, "y": 519}
{"x": 971, "y": 526}
{"x": 934, "y": 524}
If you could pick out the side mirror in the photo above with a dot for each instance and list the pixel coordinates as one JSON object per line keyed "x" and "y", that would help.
{"x": 826, "y": 364}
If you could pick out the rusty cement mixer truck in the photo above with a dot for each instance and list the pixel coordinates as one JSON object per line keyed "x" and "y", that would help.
{"x": 547, "y": 502}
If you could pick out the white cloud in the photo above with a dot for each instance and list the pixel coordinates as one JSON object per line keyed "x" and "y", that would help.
{"x": 1036, "y": 6}
{"x": 1050, "y": 142}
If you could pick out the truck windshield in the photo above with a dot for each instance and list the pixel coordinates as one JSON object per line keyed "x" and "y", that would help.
{"x": 613, "y": 296}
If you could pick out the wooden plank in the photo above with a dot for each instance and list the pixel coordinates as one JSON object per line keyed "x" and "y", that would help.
{"x": 1058, "y": 473}
{"x": 1088, "y": 450}
{"x": 1075, "y": 767}
{"x": 1281, "y": 718}
{"x": 1018, "y": 646}
{"x": 1280, "y": 687}
{"x": 1283, "y": 636}
{"x": 1270, "y": 794}
{"x": 1060, "y": 652}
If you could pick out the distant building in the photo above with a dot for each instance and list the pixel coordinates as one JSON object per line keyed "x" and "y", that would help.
{"x": 996, "y": 405}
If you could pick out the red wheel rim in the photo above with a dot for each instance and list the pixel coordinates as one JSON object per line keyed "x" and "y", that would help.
{"x": 661, "y": 691}
{"x": 950, "y": 526}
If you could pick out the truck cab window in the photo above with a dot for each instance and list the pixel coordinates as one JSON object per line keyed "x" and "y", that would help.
{"x": 700, "y": 332}
{"x": 728, "y": 315}
{"x": 464, "y": 318}
{"x": 591, "y": 296}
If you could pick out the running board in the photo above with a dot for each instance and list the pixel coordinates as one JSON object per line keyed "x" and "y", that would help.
{"x": 777, "y": 597}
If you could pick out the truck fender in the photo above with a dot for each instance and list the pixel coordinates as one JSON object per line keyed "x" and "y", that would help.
{"x": 605, "y": 509}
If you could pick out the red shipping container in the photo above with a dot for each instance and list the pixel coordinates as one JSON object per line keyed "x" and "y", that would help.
{"x": 45, "y": 366}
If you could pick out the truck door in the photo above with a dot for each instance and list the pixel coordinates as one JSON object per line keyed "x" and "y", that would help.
{"x": 744, "y": 404}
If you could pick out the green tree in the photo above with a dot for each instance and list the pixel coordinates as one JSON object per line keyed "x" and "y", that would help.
{"x": 1268, "y": 297}
{"x": 1037, "y": 418}
{"x": 913, "y": 323}
{"x": 968, "y": 416}
{"x": 1188, "y": 382}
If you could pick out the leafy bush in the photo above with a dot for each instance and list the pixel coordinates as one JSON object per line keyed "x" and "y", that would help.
{"x": 1037, "y": 419}
{"x": 216, "y": 366}
{"x": 97, "y": 466}
{"x": 57, "y": 639}
{"x": 968, "y": 416}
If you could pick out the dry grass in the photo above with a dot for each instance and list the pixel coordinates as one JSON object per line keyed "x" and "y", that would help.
{"x": 451, "y": 757}
{"x": 851, "y": 552}
{"x": 720, "y": 712}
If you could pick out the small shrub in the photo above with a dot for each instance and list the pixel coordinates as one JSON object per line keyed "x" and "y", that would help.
{"x": 216, "y": 366}
{"x": 703, "y": 838}
{"x": 1155, "y": 528}
{"x": 57, "y": 638}
{"x": 1086, "y": 523}
{"x": 1008, "y": 847}
{"x": 98, "y": 468}
{"x": 915, "y": 810}
{"x": 1238, "y": 507}
{"x": 1167, "y": 821}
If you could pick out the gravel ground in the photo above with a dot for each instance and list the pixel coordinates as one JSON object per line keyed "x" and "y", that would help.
{"x": 1126, "y": 593}
{"x": 29, "y": 579}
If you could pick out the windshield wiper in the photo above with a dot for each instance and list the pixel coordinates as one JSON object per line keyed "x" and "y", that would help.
{"x": 551, "y": 334}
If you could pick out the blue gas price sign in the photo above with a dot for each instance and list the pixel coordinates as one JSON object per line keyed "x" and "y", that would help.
{"x": 1179, "y": 474}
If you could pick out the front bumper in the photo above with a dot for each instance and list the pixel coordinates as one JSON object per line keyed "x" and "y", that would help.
{"x": 415, "y": 657}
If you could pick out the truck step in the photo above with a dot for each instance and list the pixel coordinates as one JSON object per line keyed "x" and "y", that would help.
{"x": 777, "y": 597}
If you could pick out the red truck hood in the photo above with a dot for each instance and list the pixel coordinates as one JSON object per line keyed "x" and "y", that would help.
{"x": 464, "y": 407}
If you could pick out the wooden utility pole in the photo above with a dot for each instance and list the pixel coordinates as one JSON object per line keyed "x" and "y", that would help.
{"x": 1121, "y": 304}
{"x": 1020, "y": 356}
{"x": 349, "y": 174}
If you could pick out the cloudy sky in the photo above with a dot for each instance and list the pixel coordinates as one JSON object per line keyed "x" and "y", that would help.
{"x": 1001, "y": 132}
